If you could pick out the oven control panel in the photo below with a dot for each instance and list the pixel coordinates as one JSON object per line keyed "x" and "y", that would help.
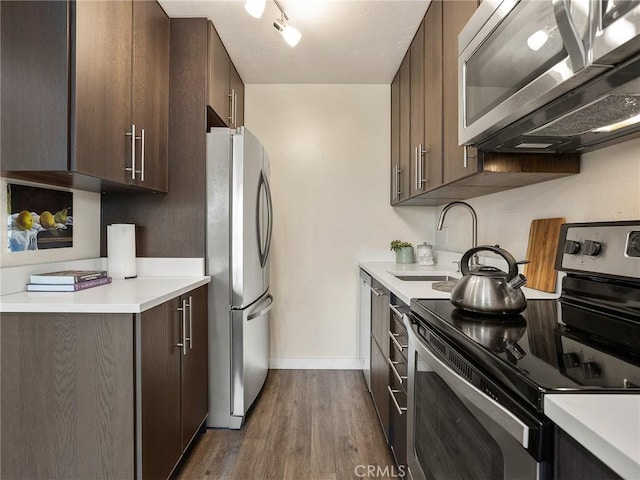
{"x": 607, "y": 248}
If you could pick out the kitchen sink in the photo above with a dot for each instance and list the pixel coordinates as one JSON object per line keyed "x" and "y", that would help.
{"x": 426, "y": 278}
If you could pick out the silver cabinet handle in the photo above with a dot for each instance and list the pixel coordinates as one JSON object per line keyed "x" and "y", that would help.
{"x": 132, "y": 169}
{"x": 394, "y": 309}
{"x": 142, "y": 155}
{"x": 232, "y": 107}
{"x": 421, "y": 156}
{"x": 190, "y": 338}
{"x": 416, "y": 169}
{"x": 393, "y": 364}
{"x": 183, "y": 343}
{"x": 398, "y": 189}
{"x": 235, "y": 108}
{"x": 466, "y": 156}
{"x": 376, "y": 291}
{"x": 400, "y": 409}
{"x": 393, "y": 338}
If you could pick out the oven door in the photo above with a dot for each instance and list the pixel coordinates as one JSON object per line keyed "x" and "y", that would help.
{"x": 516, "y": 56}
{"x": 457, "y": 431}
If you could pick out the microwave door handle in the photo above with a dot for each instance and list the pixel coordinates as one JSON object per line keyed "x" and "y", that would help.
{"x": 569, "y": 34}
{"x": 507, "y": 420}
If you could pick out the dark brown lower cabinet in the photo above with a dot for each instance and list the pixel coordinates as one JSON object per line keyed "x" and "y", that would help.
{"x": 67, "y": 382}
{"x": 397, "y": 364}
{"x": 102, "y": 395}
{"x": 173, "y": 381}
{"x": 379, "y": 385}
{"x": 389, "y": 369}
{"x": 574, "y": 462}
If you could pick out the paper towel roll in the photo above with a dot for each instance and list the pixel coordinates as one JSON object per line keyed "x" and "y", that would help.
{"x": 121, "y": 250}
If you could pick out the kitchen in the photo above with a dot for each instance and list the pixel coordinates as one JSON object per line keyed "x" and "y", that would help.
{"x": 331, "y": 181}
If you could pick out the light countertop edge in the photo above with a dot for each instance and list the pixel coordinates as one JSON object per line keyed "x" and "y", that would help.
{"x": 406, "y": 290}
{"x": 606, "y": 425}
{"x": 121, "y": 296}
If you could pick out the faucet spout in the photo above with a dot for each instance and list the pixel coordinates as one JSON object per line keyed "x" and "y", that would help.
{"x": 474, "y": 223}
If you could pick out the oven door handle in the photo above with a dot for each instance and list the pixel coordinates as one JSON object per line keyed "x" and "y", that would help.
{"x": 507, "y": 420}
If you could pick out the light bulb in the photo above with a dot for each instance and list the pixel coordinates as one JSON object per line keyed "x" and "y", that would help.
{"x": 255, "y": 8}
{"x": 291, "y": 35}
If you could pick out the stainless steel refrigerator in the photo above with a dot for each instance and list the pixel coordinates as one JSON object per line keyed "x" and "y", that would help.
{"x": 239, "y": 226}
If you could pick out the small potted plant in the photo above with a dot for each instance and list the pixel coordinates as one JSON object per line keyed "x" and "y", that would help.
{"x": 404, "y": 251}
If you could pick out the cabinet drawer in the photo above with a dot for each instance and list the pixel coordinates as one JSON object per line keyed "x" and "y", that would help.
{"x": 399, "y": 343}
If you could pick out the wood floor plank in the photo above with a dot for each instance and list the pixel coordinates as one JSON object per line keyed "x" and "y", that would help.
{"x": 306, "y": 424}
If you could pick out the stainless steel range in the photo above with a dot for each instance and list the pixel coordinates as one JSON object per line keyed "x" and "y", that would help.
{"x": 477, "y": 382}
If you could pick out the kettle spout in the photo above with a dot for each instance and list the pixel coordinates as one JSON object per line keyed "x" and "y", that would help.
{"x": 517, "y": 281}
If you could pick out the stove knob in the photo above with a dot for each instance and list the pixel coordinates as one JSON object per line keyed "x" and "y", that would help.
{"x": 591, "y": 370}
{"x": 592, "y": 248}
{"x": 570, "y": 360}
{"x": 571, "y": 247}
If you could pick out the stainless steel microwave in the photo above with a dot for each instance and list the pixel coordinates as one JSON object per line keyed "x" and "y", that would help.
{"x": 549, "y": 75}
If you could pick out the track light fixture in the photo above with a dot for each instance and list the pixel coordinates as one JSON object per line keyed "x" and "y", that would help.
{"x": 290, "y": 34}
{"x": 255, "y": 8}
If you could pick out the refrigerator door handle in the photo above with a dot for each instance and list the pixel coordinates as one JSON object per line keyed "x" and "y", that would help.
{"x": 262, "y": 311}
{"x": 263, "y": 185}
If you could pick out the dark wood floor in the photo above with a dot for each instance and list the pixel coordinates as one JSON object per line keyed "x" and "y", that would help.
{"x": 306, "y": 424}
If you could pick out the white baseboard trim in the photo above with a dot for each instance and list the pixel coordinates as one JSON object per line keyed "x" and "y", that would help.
{"x": 315, "y": 364}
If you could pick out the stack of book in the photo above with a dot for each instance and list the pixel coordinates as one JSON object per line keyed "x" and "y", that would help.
{"x": 67, "y": 281}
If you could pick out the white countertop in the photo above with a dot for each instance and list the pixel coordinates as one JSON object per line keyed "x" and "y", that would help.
{"x": 606, "y": 425}
{"x": 406, "y": 290}
{"x": 121, "y": 296}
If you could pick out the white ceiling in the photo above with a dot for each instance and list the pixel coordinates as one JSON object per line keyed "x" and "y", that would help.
{"x": 343, "y": 41}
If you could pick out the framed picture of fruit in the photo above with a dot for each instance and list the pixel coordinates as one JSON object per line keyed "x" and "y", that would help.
{"x": 38, "y": 218}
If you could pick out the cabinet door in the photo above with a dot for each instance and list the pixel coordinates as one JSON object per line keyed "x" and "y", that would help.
{"x": 405, "y": 126}
{"x": 457, "y": 164}
{"x": 417, "y": 107}
{"x": 34, "y": 61}
{"x": 102, "y": 101}
{"x": 219, "y": 64}
{"x": 67, "y": 395}
{"x": 159, "y": 409}
{"x": 395, "y": 140}
{"x": 433, "y": 96}
{"x": 195, "y": 378}
{"x": 237, "y": 91}
{"x": 151, "y": 93}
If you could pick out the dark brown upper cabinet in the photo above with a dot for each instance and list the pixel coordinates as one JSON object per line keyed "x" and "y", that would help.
{"x": 440, "y": 170}
{"x": 76, "y": 78}
{"x": 401, "y": 132}
{"x": 226, "y": 89}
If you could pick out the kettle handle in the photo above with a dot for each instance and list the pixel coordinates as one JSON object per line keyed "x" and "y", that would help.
{"x": 513, "y": 265}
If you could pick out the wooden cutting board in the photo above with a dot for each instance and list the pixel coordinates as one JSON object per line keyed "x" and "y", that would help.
{"x": 541, "y": 253}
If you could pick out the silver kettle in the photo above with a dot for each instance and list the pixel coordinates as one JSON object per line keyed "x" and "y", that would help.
{"x": 485, "y": 289}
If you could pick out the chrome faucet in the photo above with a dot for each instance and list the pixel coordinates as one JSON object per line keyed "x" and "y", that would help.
{"x": 474, "y": 225}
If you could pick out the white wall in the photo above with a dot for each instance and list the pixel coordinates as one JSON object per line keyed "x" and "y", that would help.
{"x": 607, "y": 188}
{"x": 86, "y": 231}
{"x": 329, "y": 148}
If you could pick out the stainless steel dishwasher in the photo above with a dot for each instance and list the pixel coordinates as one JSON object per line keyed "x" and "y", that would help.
{"x": 365, "y": 326}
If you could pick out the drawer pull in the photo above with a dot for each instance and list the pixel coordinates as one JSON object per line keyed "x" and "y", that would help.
{"x": 394, "y": 309}
{"x": 393, "y": 364}
{"x": 393, "y": 338}
{"x": 400, "y": 409}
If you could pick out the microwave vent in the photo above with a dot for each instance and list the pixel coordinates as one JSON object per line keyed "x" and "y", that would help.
{"x": 605, "y": 111}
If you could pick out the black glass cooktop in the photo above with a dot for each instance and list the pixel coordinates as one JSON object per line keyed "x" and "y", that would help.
{"x": 551, "y": 347}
